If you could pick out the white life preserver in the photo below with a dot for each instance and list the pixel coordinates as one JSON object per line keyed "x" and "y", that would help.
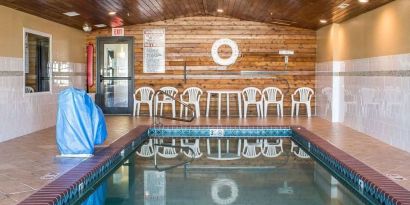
{"x": 215, "y": 189}
{"x": 225, "y": 61}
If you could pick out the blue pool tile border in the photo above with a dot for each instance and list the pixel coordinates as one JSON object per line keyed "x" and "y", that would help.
{"x": 72, "y": 185}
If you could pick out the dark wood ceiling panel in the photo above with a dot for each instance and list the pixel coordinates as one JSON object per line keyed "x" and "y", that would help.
{"x": 298, "y": 13}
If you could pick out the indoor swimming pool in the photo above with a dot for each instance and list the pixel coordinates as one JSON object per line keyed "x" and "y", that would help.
{"x": 285, "y": 179}
{"x": 221, "y": 165}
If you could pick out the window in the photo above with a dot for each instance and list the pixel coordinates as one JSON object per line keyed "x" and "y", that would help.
{"x": 37, "y": 58}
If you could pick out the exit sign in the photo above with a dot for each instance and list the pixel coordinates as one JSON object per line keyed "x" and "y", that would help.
{"x": 117, "y": 31}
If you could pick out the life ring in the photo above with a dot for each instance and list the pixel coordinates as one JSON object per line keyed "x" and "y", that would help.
{"x": 215, "y": 189}
{"x": 225, "y": 61}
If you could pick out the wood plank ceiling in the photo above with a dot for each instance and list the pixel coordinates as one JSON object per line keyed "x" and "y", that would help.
{"x": 298, "y": 13}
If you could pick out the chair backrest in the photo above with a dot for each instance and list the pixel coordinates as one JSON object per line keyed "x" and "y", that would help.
{"x": 305, "y": 93}
{"x": 194, "y": 93}
{"x": 250, "y": 93}
{"x": 28, "y": 89}
{"x": 170, "y": 91}
{"x": 146, "y": 94}
{"x": 271, "y": 94}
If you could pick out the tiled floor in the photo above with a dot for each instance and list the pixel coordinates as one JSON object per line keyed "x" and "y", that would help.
{"x": 29, "y": 162}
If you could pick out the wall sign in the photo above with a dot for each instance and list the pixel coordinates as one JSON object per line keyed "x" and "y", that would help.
{"x": 225, "y": 61}
{"x": 154, "y": 51}
{"x": 117, "y": 32}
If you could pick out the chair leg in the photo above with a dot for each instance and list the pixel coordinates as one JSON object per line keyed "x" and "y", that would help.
{"x": 150, "y": 109}
{"x": 308, "y": 109}
{"x": 173, "y": 109}
{"x": 293, "y": 106}
{"x": 245, "y": 109}
{"x": 162, "y": 106}
{"x": 257, "y": 109}
{"x": 181, "y": 109}
{"x": 297, "y": 109}
{"x": 186, "y": 111}
{"x": 138, "y": 109}
{"x": 198, "y": 111}
{"x": 281, "y": 109}
{"x": 135, "y": 103}
{"x": 278, "y": 110}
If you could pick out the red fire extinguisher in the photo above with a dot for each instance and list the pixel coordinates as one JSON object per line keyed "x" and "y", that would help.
{"x": 90, "y": 58}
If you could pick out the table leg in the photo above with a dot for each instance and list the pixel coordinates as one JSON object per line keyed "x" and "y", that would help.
{"x": 239, "y": 105}
{"x": 208, "y": 100}
{"x": 219, "y": 105}
{"x": 227, "y": 104}
{"x": 219, "y": 148}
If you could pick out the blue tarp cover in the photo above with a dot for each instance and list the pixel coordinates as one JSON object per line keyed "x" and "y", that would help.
{"x": 80, "y": 123}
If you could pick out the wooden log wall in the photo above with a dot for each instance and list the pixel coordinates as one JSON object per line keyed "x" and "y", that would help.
{"x": 189, "y": 41}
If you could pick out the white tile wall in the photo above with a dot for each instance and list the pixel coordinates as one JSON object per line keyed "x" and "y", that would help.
{"x": 25, "y": 113}
{"x": 376, "y": 105}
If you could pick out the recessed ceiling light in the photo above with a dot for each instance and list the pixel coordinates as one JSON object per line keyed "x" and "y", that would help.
{"x": 323, "y": 21}
{"x": 363, "y": 1}
{"x": 71, "y": 13}
{"x": 100, "y": 25}
{"x": 220, "y": 10}
{"x": 343, "y": 5}
{"x": 112, "y": 13}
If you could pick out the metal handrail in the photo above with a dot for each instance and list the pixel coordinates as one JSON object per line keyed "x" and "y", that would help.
{"x": 172, "y": 118}
{"x": 176, "y": 165}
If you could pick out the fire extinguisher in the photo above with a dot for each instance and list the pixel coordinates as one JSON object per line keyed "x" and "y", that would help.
{"x": 90, "y": 62}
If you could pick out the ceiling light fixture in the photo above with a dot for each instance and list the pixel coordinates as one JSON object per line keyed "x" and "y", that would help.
{"x": 71, "y": 13}
{"x": 363, "y": 1}
{"x": 100, "y": 25}
{"x": 112, "y": 13}
{"x": 87, "y": 28}
{"x": 220, "y": 10}
{"x": 343, "y": 5}
{"x": 323, "y": 21}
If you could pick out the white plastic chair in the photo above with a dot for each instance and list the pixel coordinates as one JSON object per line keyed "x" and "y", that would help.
{"x": 272, "y": 149}
{"x": 249, "y": 148}
{"x": 166, "y": 99}
{"x": 194, "y": 146}
{"x": 249, "y": 98}
{"x": 146, "y": 150}
{"x": 194, "y": 94}
{"x": 146, "y": 95}
{"x": 166, "y": 152}
{"x": 305, "y": 95}
{"x": 297, "y": 151}
{"x": 270, "y": 96}
{"x": 28, "y": 89}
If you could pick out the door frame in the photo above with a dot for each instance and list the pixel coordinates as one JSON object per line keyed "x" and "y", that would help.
{"x": 100, "y": 41}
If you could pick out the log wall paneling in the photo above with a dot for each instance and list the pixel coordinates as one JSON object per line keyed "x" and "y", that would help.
{"x": 189, "y": 41}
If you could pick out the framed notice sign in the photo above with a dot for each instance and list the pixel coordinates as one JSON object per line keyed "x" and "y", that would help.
{"x": 154, "y": 51}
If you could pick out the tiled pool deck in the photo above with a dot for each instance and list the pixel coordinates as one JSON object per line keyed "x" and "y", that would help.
{"x": 28, "y": 163}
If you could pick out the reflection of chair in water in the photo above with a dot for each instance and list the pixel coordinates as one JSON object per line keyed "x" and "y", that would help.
{"x": 28, "y": 89}
{"x": 164, "y": 151}
{"x": 146, "y": 150}
{"x": 249, "y": 148}
{"x": 193, "y": 145}
{"x": 296, "y": 150}
{"x": 223, "y": 155}
{"x": 272, "y": 149}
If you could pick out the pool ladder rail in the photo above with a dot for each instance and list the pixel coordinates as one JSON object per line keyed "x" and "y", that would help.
{"x": 185, "y": 105}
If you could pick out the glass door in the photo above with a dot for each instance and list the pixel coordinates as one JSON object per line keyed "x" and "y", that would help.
{"x": 115, "y": 74}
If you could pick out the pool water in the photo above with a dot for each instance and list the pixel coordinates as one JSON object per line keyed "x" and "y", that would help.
{"x": 284, "y": 180}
